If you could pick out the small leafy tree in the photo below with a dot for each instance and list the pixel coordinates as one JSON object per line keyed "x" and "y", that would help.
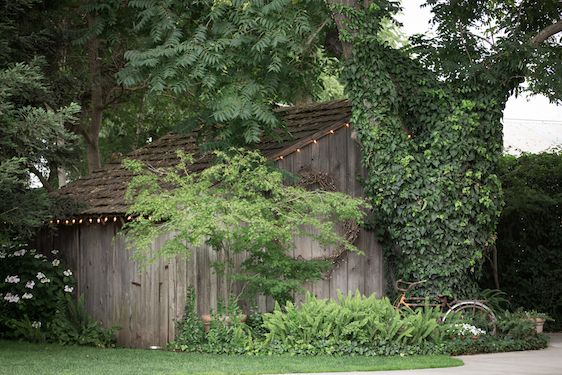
{"x": 239, "y": 204}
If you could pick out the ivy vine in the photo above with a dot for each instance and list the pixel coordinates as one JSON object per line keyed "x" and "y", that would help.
{"x": 430, "y": 150}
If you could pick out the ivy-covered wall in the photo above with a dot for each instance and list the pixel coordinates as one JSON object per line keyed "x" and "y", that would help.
{"x": 431, "y": 151}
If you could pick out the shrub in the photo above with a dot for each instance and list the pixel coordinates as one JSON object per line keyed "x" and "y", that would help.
{"x": 529, "y": 236}
{"x": 495, "y": 344}
{"x": 37, "y": 302}
{"x": 72, "y": 325}
{"x": 351, "y": 325}
{"x": 31, "y": 288}
{"x": 190, "y": 332}
{"x": 227, "y": 333}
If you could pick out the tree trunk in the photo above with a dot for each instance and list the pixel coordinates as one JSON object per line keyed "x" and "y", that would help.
{"x": 96, "y": 103}
{"x": 347, "y": 47}
{"x": 495, "y": 267}
{"x": 94, "y": 159}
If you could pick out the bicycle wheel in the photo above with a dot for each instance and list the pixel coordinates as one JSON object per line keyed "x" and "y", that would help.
{"x": 474, "y": 313}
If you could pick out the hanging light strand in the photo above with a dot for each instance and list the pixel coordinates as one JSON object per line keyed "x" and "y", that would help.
{"x": 313, "y": 141}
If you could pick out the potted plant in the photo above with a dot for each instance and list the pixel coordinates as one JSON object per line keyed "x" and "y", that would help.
{"x": 227, "y": 314}
{"x": 538, "y": 319}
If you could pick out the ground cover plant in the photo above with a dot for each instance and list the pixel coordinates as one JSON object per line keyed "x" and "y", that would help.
{"x": 34, "y": 359}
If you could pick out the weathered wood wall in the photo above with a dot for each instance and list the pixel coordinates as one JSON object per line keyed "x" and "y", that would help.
{"x": 147, "y": 302}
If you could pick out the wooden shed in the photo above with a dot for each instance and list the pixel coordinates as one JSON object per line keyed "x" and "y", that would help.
{"x": 147, "y": 302}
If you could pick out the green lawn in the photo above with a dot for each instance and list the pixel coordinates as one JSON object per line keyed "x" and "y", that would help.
{"x": 28, "y": 359}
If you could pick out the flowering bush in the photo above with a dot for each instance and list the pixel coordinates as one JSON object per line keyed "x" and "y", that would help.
{"x": 37, "y": 302}
{"x": 31, "y": 287}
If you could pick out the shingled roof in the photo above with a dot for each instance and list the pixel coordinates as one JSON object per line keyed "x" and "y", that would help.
{"x": 102, "y": 192}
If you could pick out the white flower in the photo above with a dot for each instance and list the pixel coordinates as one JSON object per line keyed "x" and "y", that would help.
{"x": 56, "y": 262}
{"x": 27, "y": 296}
{"x": 20, "y": 253}
{"x": 39, "y": 256}
{"x": 2, "y": 255}
{"x": 30, "y": 284}
{"x": 54, "y": 252}
{"x": 36, "y": 324}
{"x": 12, "y": 298}
{"x": 12, "y": 279}
{"x": 468, "y": 329}
{"x": 45, "y": 280}
{"x": 68, "y": 289}
{"x": 67, "y": 273}
{"x": 40, "y": 275}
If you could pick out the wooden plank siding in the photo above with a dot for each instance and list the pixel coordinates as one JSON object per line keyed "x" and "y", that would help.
{"x": 146, "y": 302}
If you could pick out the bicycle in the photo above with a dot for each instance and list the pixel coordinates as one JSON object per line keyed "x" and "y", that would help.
{"x": 474, "y": 311}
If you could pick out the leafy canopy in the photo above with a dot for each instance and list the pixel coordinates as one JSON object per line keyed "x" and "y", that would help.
{"x": 236, "y": 59}
{"x": 29, "y": 136}
{"x": 428, "y": 115}
{"x": 238, "y": 205}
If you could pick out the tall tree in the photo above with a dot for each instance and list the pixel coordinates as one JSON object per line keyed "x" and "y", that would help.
{"x": 82, "y": 43}
{"x": 428, "y": 116}
{"x": 97, "y": 33}
{"x": 30, "y": 134}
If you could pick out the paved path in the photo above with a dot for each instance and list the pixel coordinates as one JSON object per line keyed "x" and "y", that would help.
{"x": 534, "y": 362}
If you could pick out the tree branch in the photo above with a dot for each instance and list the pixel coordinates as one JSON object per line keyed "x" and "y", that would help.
{"x": 546, "y": 33}
{"x": 315, "y": 33}
{"x": 41, "y": 178}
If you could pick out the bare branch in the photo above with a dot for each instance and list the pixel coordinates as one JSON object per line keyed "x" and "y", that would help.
{"x": 316, "y": 32}
{"x": 546, "y": 33}
{"x": 41, "y": 178}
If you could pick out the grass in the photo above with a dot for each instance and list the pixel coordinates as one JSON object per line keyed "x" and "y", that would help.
{"x": 17, "y": 358}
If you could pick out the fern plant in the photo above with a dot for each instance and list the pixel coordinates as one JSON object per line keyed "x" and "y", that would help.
{"x": 73, "y": 325}
{"x": 365, "y": 321}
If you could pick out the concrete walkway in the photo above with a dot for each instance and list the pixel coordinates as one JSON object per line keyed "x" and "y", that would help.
{"x": 534, "y": 362}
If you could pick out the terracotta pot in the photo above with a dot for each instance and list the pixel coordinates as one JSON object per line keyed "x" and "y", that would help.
{"x": 539, "y": 324}
{"x": 223, "y": 318}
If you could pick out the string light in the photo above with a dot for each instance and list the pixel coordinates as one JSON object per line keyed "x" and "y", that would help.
{"x": 315, "y": 141}
{"x": 99, "y": 220}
